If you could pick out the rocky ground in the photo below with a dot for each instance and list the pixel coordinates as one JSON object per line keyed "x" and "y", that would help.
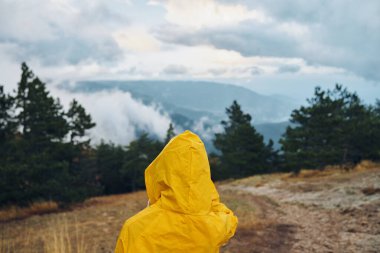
{"x": 330, "y": 211}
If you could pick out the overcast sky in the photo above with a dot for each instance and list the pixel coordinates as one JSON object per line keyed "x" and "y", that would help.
{"x": 282, "y": 47}
{"x": 274, "y": 47}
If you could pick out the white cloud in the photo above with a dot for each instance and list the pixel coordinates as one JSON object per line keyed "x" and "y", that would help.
{"x": 60, "y": 32}
{"x": 178, "y": 62}
{"x": 339, "y": 34}
{"x": 117, "y": 115}
{"x": 207, "y": 128}
{"x": 27, "y": 21}
{"x": 294, "y": 29}
{"x": 209, "y": 13}
{"x": 136, "y": 39}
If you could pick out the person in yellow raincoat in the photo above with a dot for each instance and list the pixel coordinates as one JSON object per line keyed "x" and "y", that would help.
{"x": 184, "y": 214}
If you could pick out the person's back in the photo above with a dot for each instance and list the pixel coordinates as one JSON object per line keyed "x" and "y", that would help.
{"x": 185, "y": 214}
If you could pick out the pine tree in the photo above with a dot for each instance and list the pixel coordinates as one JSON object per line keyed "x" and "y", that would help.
{"x": 365, "y": 138}
{"x": 41, "y": 165}
{"x": 41, "y": 116}
{"x": 109, "y": 162}
{"x": 79, "y": 122}
{"x": 334, "y": 128}
{"x": 375, "y": 154}
{"x": 79, "y": 154}
{"x": 7, "y": 124}
{"x": 8, "y": 173}
{"x": 169, "y": 133}
{"x": 140, "y": 153}
{"x": 242, "y": 148}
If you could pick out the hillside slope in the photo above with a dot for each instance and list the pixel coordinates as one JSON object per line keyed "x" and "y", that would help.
{"x": 328, "y": 211}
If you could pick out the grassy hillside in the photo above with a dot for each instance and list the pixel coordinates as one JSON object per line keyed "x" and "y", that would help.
{"x": 316, "y": 211}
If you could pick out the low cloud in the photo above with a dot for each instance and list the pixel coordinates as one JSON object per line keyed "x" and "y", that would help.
{"x": 207, "y": 128}
{"x": 118, "y": 115}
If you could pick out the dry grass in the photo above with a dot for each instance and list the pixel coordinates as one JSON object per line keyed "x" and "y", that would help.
{"x": 89, "y": 227}
{"x": 94, "y": 226}
{"x": 331, "y": 171}
{"x": 366, "y": 165}
{"x": 45, "y": 207}
{"x": 58, "y": 235}
{"x": 15, "y": 212}
{"x": 258, "y": 180}
{"x": 63, "y": 237}
{"x": 6, "y": 246}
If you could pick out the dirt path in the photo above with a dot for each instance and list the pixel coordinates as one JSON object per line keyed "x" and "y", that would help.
{"x": 327, "y": 214}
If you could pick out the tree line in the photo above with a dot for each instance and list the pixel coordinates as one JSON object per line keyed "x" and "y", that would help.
{"x": 334, "y": 128}
{"x": 45, "y": 152}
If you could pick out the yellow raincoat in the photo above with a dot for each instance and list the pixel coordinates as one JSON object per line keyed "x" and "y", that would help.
{"x": 185, "y": 214}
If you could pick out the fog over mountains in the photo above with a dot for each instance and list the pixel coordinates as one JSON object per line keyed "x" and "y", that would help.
{"x": 198, "y": 105}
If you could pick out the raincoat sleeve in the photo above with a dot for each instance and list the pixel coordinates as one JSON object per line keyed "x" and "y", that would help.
{"x": 122, "y": 241}
{"x": 119, "y": 246}
{"x": 229, "y": 220}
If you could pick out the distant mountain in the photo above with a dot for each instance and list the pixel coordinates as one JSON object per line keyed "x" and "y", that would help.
{"x": 189, "y": 101}
{"x": 195, "y": 99}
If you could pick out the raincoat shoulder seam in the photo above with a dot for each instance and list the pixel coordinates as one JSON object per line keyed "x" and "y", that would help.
{"x": 137, "y": 218}
{"x": 183, "y": 213}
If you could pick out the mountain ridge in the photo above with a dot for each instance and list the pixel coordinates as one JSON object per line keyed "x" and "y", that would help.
{"x": 189, "y": 102}
{"x": 199, "y": 96}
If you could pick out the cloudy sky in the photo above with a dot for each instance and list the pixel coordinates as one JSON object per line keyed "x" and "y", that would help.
{"x": 273, "y": 47}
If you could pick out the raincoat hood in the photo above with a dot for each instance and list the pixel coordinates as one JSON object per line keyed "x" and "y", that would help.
{"x": 179, "y": 178}
{"x": 185, "y": 214}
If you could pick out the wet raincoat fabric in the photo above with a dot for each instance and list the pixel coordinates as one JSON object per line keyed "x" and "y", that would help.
{"x": 184, "y": 214}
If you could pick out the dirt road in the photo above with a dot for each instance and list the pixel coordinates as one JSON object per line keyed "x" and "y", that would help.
{"x": 331, "y": 212}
